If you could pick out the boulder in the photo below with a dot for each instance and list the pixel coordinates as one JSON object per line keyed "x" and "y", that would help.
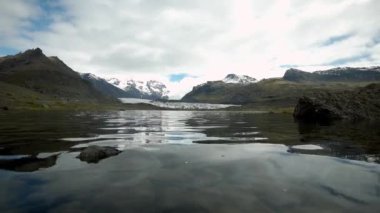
{"x": 308, "y": 109}
{"x": 93, "y": 154}
{"x": 359, "y": 104}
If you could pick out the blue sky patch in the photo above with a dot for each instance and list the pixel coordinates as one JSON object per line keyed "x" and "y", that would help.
{"x": 49, "y": 9}
{"x": 4, "y": 50}
{"x": 177, "y": 77}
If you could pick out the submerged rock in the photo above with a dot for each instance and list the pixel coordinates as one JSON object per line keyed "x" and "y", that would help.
{"x": 94, "y": 154}
{"x": 5, "y": 108}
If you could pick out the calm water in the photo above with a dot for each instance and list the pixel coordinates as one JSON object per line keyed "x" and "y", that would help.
{"x": 183, "y": 161}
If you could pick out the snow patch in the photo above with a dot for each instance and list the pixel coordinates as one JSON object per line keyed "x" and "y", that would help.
{"x": 147, "y": 88}
{"x": 238, "y": 79}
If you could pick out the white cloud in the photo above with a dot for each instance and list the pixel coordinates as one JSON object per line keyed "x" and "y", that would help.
{"x": 150, "y": 39}
{"x": 14, "y": 16}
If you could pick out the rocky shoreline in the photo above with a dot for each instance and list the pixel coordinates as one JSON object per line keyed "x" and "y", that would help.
{"x": 354, "y": 105}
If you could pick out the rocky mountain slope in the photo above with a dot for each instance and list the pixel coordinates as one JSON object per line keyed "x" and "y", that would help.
{"x": 282, "y": 92}
{"x": 47, "y": 80}
{"x": 152, "y": 90}
{"x": 345, "y": 74}
{"x": 103, "y": 86}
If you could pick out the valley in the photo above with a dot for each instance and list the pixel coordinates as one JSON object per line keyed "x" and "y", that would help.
{"x": 191, "y": 106}
{"x": 31, "y": 80}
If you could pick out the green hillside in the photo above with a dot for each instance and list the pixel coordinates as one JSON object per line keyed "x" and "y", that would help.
{"x": 30, "y": 80}
{"x": 269, "y": 92}
{"x": 48, "y": 76}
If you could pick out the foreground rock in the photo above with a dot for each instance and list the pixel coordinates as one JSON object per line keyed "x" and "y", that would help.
{"x": 312, "y": 109}
{"x": 94, "y": 154}
{"x": 359, "y": 104}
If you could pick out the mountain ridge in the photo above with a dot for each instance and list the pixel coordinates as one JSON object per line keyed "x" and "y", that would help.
{"x": 49, "y": 79}
{"x": 103, "y": 86}
{"x": 342, "y": 74}
{"x": 152, "y": 89}
{"x": 283, "y": 91}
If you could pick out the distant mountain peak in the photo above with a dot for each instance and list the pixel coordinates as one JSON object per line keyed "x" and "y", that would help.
{"x": 353, "y": 74}
{"x": 90, "y": 76}
{"x": 48, "y": 77}
{"x": 294, "y": 70}
{"x": 151, "y": 89}
{"x": 103, "y": 86}
{"x": 37, "y": 52}
{"x": 238, "y": 79}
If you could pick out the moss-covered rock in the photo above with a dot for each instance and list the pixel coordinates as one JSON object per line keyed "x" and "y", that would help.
{"x": 94, "y": 154}
{"x": 359, "y": 104}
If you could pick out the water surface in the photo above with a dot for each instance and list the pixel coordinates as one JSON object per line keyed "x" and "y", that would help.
{"x": 186, "y": 161}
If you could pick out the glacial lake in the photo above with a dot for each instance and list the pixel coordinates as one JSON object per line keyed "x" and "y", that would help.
{"x": 187, "y": 161}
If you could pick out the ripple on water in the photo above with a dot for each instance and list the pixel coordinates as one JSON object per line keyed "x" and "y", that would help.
{"x": 276, "y": 165}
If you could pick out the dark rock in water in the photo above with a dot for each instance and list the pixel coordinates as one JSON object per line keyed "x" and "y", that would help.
{"x": 359, "y": 104}
{"x": 5, "y": 108}
{"x": 94, "y": 154}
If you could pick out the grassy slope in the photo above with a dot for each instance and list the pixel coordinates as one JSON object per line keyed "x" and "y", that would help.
{"x": 49, "y": 77}
{"x": 18, "y": 98}
{"x": 30, "y": 80}
{"x": 270, "y": 94}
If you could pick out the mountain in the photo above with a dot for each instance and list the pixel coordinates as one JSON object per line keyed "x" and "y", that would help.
{"x": 47, "y": 80}
{"x": 238, "y": 79}
{"x": 103, "y": 86}
{"x": 226, "y": 91}
{"x": 275, "y": 91}
{"x": 340, "y": 74}
{"x": 153, "y": 90}
{"x": 282, "y": 92}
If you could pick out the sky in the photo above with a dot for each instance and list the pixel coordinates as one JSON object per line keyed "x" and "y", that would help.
{"x": 184, "y": 43}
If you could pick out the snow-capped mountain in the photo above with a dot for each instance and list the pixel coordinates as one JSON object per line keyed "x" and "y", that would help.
{"x": 238, "y": 79}
{"x": 152, "y": 90}
{"x": 103, "y": 86}
{"x": 90, "y": 76}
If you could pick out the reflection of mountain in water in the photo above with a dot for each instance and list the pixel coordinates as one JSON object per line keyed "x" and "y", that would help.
{"x": 28, "y": 164}
{"x": 199, "y": 178}
{"x": 53, "y": 132}
{"x": 357, "y": 141}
